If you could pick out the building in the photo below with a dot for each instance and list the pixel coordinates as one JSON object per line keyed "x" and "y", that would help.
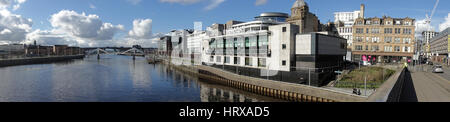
{"x": 383, "y": 39}
{"x": 60, "y": 49}
{"x": 269, "y": 47}
{"x": 194, "y": 45}
{"x": 440, "y": 47}
{"x": 165, "y": 46}
{"x": 427, "y": 35}
{"x": 38, "y": 50}
{"x": 344, "y": 22}
{"x": 300, "y": 16}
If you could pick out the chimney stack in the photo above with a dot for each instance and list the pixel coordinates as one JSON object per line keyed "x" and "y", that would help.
{"x": 362, "y": 11}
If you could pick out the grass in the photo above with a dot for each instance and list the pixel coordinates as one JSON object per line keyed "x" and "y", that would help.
{"x": 355, "y": 79}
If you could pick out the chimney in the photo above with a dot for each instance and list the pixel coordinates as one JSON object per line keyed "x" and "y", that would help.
{"x": 362, "y": 10}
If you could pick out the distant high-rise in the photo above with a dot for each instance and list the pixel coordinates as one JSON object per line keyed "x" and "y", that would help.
{"x": 427, "y": 36}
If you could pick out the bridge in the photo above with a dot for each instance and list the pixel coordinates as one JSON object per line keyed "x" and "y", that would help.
{"x": 129, "y": 51}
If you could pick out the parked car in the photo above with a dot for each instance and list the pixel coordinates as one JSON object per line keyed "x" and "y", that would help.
{"x": 438, "y": 69}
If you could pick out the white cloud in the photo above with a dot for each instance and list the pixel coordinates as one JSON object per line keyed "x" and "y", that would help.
{"x": 142, "y": 29}
{"x": 214, "y": 4}
{"x": 260, "y": 2}
{"x": 14, "y": 3}
{"x": 421, "y": 26}
{"x": 92, "y": 6}
{"x": 13, "y": 28}
{"x": 44, "y": 37}
{"x": 134, "y": 2}
{"x": 446, "y": 23}
{"x": 84, "y": 26}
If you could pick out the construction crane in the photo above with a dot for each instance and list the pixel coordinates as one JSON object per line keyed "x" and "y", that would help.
{"x": 428, "y": 18}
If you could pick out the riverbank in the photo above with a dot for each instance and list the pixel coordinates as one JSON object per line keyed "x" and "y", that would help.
{"x": 37, "y": 60}
{"x": 276, "y": 89}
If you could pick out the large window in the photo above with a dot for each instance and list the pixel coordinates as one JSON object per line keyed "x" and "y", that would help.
{"x": 359, "y": 39}
{"x": 388, "y": 39}
{"x": 397, "y": 30}
{"x": 375, "y": 39}
{"x": 227, "y": 60}
{"x": 406, "y": 40}
{"x": 359, "y": 30}
{"x": 375, "y": 48}
{"x": 407, "y": 31}
{"x": 248, "y": 61}
{"x": 247, "y": 42}
{"x": 261, "y": 62}
{"x": 388, "y": 30}
{"x": 358, "y": 47}
{"x": 263, "y": 41}
{"x": 397, "y": 48}
{"x": 375, "y": 30}
{"x": 219, "y": 59}
{"x": 237, "y": 60}
{"x": 388, "y": 48}
{"x": 397, "y": 40}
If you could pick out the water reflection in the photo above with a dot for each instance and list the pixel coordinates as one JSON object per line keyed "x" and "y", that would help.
{"x": 111, "y": 79}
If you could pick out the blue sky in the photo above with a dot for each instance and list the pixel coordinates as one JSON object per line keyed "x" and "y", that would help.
{"x": 167, "y": 15}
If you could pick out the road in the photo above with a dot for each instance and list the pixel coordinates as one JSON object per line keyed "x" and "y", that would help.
{"x": 431, "y": 87}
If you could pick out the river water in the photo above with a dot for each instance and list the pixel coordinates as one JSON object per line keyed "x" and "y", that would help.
{"x": 112, "y": 79}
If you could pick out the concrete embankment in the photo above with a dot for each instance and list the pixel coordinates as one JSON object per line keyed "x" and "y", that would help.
{"x": 276, "y": 89}
{"x": 37, "y": 60}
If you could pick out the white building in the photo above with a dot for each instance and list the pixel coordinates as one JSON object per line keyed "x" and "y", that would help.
{"x": 427, "y": 36}
{"x": 345, "y": 21}
{"x": 269, "y": 48}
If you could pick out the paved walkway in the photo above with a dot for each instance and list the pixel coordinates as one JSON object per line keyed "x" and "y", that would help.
{"x": 431, "y": 87}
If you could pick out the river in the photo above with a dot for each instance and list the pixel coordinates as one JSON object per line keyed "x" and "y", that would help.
{"x": 113, "y": 78}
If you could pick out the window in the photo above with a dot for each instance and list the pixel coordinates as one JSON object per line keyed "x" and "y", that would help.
{"x": 388, "y": 39}
{"x": 247, "y": 42}
{"x": 261, "y": 62}
{"x": 284, "y": 29}
{"x": 406, "y": 40}
{"x": 219, "y": 59}
{"x": 358, "y": 47}
{"x": 375, "y": 48}
{"x": 359, "y": 22}
{"x": 237, "y": 60}
{"x": 283, "y": 62}
{"x": 211, "y": 59}
{"x": 389, "y": 23}
{"x": 376, "y": 22}
{"x": 375, "y": 39}
{"x": 359, "y": 39}
{"x": 406, "y": 31}
{"x": 367, "y": 47}
{"x": 388, "y": 48}
{"x": 284, "y": 46}
{"x": 388, "y": 30}
{"x": 367, "y": 30}
{"x": 397, "y": 30}
{"x": 397, "y": 48}
{"x": 375, "y": 30}
{"x": 248, "y": 61}
{"x": 405, "y": 49}
{"x": 397, "y": 40}
{"x": 359, "y": 30}
{"x": 227, "y": 60}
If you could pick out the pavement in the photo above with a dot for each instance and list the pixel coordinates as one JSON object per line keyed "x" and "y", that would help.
{"x": 431, "y": 87}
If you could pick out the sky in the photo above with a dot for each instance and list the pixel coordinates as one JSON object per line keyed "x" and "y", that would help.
{"x": 90, "y": 23}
